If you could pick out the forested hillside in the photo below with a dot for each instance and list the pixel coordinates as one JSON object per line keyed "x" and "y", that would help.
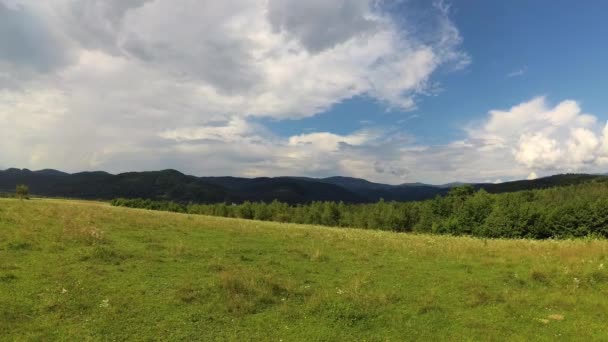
{"x": 559, "y": 212}
{"x": 172, "y": 185}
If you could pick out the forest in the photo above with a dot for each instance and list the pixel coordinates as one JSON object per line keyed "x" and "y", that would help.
{"x": 559, "y": 212}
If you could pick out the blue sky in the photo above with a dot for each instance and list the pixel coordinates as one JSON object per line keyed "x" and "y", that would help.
{"x": 558, "y": 44}
{"x": 519, "y": 50}
{"x": 391, "y": 91}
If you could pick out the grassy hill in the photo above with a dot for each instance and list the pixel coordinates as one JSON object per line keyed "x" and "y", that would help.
{"x": 87, "y": 271}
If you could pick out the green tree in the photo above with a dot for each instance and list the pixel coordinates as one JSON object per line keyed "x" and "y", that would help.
{"x": 331, "y": 214}
{"x": 22, "y": 191}
{"x": 462, "y": 191}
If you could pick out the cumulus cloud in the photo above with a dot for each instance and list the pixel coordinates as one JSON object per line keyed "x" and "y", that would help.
{"x": 280, "y": 58}
{"x": 537, "y": 150}
{"x": 320, "y": 24}
{"x": 529, "y": 140}
{"x": 148, "y": 84}
{"x": 143, "y": 84}
{"x": 542, "y": 137}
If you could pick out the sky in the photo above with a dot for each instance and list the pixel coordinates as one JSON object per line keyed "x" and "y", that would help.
{"x": 392, "y": 91}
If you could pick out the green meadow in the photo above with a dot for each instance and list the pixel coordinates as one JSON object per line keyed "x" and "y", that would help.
{"x": 79, "y": 271}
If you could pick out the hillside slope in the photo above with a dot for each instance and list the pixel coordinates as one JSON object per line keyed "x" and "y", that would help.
{"x": 87, "y": 271}
{"x": 175, "y": 186}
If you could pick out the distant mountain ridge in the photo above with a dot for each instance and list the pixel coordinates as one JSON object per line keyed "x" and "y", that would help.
{"x": 173, "y": 185}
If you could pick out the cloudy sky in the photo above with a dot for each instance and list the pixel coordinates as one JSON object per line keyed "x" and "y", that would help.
{"x": 392, "y": 91}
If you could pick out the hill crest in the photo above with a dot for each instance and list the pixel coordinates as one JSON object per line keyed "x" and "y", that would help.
{"x": 176, "y": 186}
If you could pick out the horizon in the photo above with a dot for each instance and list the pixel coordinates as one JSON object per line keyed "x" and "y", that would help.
{"x": 388, "y": 91}
{"x": 297, "y": 176}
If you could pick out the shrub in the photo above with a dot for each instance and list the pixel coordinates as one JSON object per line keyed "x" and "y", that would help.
{"x": 22, "y": 191}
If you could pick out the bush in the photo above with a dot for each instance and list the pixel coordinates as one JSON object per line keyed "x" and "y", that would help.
{"x": 22, "y": 191}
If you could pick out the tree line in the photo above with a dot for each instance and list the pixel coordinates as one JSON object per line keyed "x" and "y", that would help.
{"x": 560, "y": 212}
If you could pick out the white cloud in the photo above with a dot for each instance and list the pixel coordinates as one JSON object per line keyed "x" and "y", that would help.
{"x": 334, "y": 23}
{"x": 328, "y": 141}
{"x": 538, "y": 151}
{"x": 558, "y": 138}
{"x": 147, "y": 84}
{"x": 143, "y": 84}
{"x": 518, "y": 72}
{"x": 529, "y": 140}
{"x": 233, "y": 131}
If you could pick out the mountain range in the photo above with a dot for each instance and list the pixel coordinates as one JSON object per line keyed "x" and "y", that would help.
{"x": 173, "y": 185}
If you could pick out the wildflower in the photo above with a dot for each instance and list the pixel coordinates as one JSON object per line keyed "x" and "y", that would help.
{"x": 104, "y": 303}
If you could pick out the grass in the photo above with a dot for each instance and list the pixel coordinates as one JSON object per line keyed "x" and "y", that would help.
{"x": 87, "y": 271}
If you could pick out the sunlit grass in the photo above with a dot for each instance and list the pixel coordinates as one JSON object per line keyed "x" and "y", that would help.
{"x": 85, "y": 270}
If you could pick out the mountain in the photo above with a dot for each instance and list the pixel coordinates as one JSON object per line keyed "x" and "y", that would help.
{"x": 541, "y": 183}
{"x": 373, "y": 192}
{"x": 284, "y": 189}
{"x": 327, "y": 189}
{"x": 50, "y": 172}
{"x": 157, "y": 185}
{"x": 175, "y": 186}
{"x": 172, "y": 185}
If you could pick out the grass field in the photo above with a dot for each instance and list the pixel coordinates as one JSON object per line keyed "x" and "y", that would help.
{"x": 87, "y": 271}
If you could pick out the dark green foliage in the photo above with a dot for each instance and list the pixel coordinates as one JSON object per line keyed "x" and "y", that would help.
{"x": 150, "y": 205}
{"x": 22, "y": 191}
{"x": 574, "y": 211}
{"x": 171, "y": 185}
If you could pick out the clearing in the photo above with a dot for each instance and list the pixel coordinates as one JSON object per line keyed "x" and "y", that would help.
{"x": 74, "y": 270}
